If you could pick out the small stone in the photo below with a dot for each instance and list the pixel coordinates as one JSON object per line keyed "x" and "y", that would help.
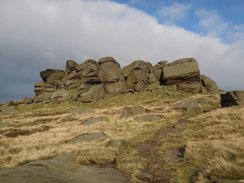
{"x": 148, "y": 118}
{"x": 82, "y": 111}
{"x": 132, "y": 111}
{"x": 116, "y": 143}
{"x": 88, "y": 137}
{"x": 93, "y": 120}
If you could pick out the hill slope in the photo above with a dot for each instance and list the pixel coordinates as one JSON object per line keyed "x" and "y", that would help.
{"x": 162, "y": 140}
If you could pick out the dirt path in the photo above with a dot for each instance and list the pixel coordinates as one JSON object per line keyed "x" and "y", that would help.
{"x": 158, "y": 158}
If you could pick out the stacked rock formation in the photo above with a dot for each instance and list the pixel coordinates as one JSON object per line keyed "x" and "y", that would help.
{"x": 92, "y": 80}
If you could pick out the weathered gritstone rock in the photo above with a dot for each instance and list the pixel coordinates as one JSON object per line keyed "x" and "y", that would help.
{"x": 232, "y": 98}
{"x": 88, "y": 137}
{"x": 183, "y": 73}
{"x": 132, "y": 111}
{"x": 208, "y": 85}
{"x": 148, "y": 118}
{"x": 61, "y": 169}
{"x": 93, "y": 120}
{"x": 111, "y": 75}
{"x": 191, "y": 107}
{"x": 91, "y": 80}
{"x": 137, "y": 75}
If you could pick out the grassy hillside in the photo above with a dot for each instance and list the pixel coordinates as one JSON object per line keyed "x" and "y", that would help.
{"x": 213, "y": 141}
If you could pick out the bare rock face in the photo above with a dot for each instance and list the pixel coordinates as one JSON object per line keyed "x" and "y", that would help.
{"x": 137, "y": 75}
{"x": 61, "y": 169}
{"x": 183, "y": 73}
{"x": 111, "y": 75}
{"x": 158, "y": 70}
{"x": 232, "y": 98}
{"x": 88, "y": 72}
{"x": 91, "y": 80}
{"x": 208, "y": 85}
{"x": 70, "y": 66}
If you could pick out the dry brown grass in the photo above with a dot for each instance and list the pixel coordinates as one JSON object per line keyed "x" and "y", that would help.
{"x": 214, "y": 140}
{"x": 215, "y": 146}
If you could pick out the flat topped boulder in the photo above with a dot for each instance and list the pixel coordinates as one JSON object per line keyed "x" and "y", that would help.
{"x": 61, "y": 169}
{"x": 232, "y": 98}
{"x": 183, "y": 73}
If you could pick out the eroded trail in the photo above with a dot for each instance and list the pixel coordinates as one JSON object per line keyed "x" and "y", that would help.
{"x": 164, "y": 148}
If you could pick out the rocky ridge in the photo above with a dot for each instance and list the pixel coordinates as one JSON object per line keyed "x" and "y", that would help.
{"x": 92, "y": 80}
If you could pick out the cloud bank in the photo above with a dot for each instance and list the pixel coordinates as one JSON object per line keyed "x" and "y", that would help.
{"x": 41, "y": 34}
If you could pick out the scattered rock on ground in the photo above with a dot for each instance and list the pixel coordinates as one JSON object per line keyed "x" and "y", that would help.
{"x": 116, "y": 143}
{"x": 232, "y": 98}
{"x": 191, "y": 107}
{"x": 148, "y": 118}
{"x": 88, "y": 137}
{"x": 61, "y": 169}
{"x": 132, "y": 111}
{"x": 93, "y": 120}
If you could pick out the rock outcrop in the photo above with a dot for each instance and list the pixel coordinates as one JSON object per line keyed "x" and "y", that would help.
{"x": 61, "y": 169}
{"x": 232, "y": 98}
{"x": 91, "y": 80}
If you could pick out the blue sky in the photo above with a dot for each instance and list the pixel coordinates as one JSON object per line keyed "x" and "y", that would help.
{"x": 206, "y": 17}
{"x": 42, "y": 34}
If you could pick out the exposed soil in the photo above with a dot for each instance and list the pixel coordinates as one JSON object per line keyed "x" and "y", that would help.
{"x": 158, "y": 158}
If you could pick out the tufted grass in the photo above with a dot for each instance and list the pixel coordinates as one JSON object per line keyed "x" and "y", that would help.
{"x": 214, "y": 140}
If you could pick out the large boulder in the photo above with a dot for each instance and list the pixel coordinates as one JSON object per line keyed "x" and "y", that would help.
{"x": 208, "y": 85}
{"x": 49, "y": 72}
{"x": 111, "y": 75}
{"x": 191, "y": 107}
{"x": 158, "y": 70}
{"x": 93, "y": 93}
{"x": 232, "y": 98}
{"x": 61, "y": 95}
{"x": 43, "y": 97}
{"x": 88, "y": 72}
{"x": 52, "y": 80}
{"x": 183, "y": 73}
{"x": 137, "y": 75}
{"x": 70, "y": 66}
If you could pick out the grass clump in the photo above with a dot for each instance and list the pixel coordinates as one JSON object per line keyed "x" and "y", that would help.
{"x": 215, "y": 146}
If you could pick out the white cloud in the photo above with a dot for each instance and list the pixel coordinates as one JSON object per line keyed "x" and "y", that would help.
{"x": 212, "y": 22}
{"x": 41, "y": 34}
{"x": 175, "y": 12}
